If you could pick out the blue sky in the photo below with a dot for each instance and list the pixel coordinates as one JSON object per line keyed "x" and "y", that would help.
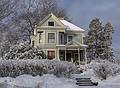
{"x": 83, "y": 11}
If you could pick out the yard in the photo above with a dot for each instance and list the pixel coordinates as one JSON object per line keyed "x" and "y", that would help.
{"x": 51, "y": 81}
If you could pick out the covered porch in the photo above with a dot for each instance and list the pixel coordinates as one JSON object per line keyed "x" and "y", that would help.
{"x": 72, "y": 52}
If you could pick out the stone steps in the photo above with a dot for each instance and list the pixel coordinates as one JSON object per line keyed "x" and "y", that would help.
{"x": 85, "y": 82}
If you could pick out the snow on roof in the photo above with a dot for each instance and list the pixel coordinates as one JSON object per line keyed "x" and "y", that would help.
{"x": 71, "y": 27}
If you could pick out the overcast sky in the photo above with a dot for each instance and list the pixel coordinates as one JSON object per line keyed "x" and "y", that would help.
{"x": 83, "y": 11}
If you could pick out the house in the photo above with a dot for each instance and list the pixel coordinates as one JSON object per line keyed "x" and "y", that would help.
{"x": 60, "y": 39}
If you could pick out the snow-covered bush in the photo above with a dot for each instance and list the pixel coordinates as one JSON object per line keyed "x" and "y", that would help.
{"x": 104, "y": 69}
{"x": 24, "y": 51}
{"x": 15, "y": 68}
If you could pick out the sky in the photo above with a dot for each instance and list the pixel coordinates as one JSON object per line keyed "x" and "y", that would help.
{"x": 83, "y": 11}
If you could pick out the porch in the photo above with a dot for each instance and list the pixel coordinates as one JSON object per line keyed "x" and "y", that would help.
{"x": 73, "y": 52}
{"x": 76, "y": 56}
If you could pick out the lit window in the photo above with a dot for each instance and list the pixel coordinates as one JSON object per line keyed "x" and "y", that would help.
{"x": 50, "y": 23}
{"x": 51, "y": 37}
{"x": 51, "y": 54}
{"x": 39, "y": 33}
{"x": 39, "y": 37}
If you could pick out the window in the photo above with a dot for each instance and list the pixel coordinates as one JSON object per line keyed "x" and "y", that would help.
{"x": 39, "y": 37}
{"x": 51, "y": 54}
{"x": 61, "y": 37}
{"x": 70, "y": 38}
{"x": 50, "y": 23}
{"x": 39, "y": 33}
{"x": 51, "y": 37}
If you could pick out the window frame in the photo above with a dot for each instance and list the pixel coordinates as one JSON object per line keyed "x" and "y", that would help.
{"x": 51, "y": 54}
{"x": 51, "y": 38}
{"x": 51, "y": 25}
{"x": 68, "y": 38}
{"x": 40, "y": 35}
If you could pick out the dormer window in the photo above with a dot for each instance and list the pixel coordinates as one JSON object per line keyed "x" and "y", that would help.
{"x": 50, "y": 23}
{"x": 70, "y": 38}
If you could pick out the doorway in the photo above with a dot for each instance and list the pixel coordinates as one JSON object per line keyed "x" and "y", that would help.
{"x": 68, "y": 56}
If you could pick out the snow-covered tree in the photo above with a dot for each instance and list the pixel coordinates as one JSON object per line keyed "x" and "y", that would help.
{"x": 106, "y": 50}
{"x": 104, "y": 68}
{"x": 24, "y": 51}
{"x": 19, "y": 17}
{"x": 32, "y": 12}
{"x": 92, "y": 38}
{"x": 99, "y": 40}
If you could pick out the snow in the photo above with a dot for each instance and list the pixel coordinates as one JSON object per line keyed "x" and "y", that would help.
{"x": 71, "y": 27}
{"x": 51, "y": 81}
{"x": 14, "y": 68}
{"x": 46, "y": 81}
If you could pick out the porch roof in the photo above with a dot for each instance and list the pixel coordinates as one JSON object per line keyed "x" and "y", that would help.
{"x": 72, "y": 44}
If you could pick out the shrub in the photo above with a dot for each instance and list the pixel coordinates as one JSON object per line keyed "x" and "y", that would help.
{"x": 103, "y": 69}
{"x": 15, "y": 68}
{"x": 24, "y": 51}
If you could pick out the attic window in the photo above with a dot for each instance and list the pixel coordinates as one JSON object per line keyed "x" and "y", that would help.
{"x": 70, "y": 38}
{"x": 50, "y": 23}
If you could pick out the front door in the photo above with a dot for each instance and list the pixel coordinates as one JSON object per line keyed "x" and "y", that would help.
{"x": 68, "y": 56}
{"x": 76, "y": 61}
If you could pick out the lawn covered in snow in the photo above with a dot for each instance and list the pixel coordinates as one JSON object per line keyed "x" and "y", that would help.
{"x": 45, "y": 81}
{"x": 51, "y": 81}
{"x": 48, "y": 80}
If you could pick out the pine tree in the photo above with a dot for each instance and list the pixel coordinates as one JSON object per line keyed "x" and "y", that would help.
{"x": 106, "y": 42}
{"x": 92, "y": 38}
{"x": 99, "y": 40}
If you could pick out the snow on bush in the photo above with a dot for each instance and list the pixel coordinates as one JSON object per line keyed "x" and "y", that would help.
{"x": 15, "y": 68}
{"x": 24, "y": 51}
{"x": 104, "y": 69}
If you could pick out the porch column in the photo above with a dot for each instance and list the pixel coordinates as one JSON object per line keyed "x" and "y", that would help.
{"x": 85, "y": 57}
{"x": 79, "y": 55}
{"x": 58, "y": 56}
{"x": 65, "y": 54}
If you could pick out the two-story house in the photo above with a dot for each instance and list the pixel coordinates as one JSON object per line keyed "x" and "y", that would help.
{"x": 59, "y": 39}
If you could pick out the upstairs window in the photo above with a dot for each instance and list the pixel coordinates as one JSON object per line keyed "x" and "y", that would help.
{"x": 51, "y": 37}
{"x": 40, "y": 37}
{"x": 70, "y": 38}
{"x": 61, "y": 37}
{"x": 50, "y": 23}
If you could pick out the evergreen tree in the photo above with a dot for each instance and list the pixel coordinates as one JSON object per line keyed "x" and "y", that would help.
{"x": 92, "y": 38}
{"x": 106, "y": 42}
{"x": 99, "y": 40}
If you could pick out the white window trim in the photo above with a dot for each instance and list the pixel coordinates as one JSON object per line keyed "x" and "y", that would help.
{"x": 51, "y": 21}
{"x": 47, "y": 37}
{"x": 68, "y": 36}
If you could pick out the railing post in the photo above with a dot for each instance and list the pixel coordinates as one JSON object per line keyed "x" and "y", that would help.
{"x": 79, "y": 56}
{"x": 65, "y": 54}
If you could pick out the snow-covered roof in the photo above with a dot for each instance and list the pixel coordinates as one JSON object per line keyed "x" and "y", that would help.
{"x": 71, "y": 27}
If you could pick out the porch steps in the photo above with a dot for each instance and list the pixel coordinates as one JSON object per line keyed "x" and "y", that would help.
{"x": 85, "y": 82}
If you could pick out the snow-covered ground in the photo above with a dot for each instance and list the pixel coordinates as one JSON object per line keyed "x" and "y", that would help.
{"x": 46, "y": 81}
{"x": 51, "y": 81}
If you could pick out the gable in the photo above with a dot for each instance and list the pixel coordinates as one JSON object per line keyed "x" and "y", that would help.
{"x": 72, "y": 43}
{"x": 51, "y": 18}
